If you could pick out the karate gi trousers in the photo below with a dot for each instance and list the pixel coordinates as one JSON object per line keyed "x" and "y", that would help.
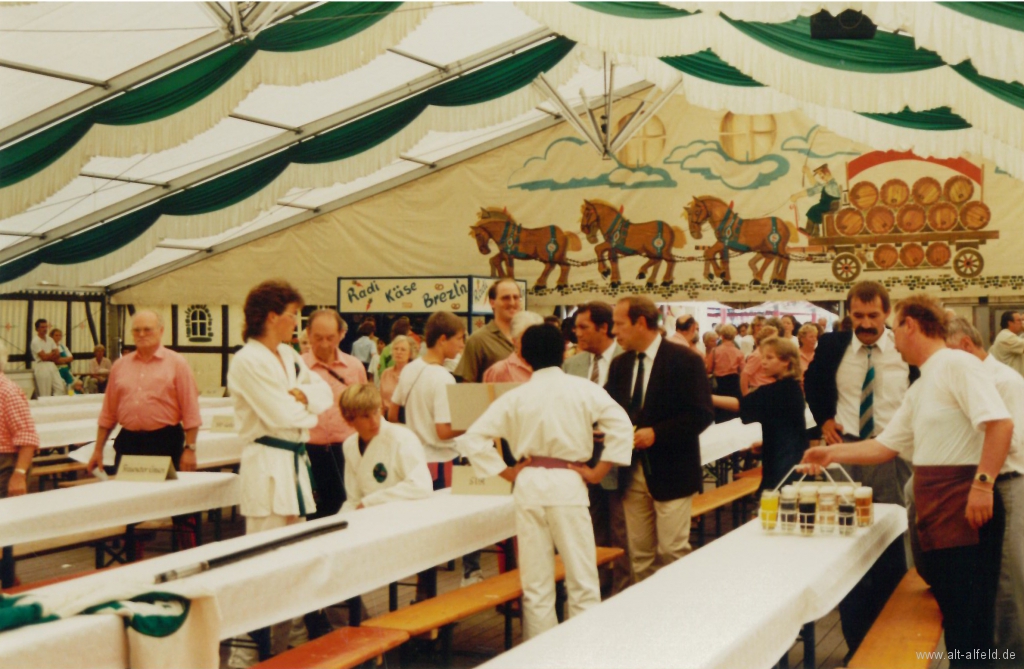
{"x": 542, "y": 529}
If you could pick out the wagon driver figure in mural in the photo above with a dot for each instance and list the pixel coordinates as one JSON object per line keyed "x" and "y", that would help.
{"x": 828, "y": 187}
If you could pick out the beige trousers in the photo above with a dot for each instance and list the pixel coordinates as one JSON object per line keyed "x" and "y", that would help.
{"x": 658, "y": 532}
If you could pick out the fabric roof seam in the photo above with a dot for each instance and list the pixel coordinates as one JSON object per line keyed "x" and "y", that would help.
{"x": 146, "y": 72}
{"x": 335, "y": 205}
{"x": 42, "y": 71}
{"x": 279, "y": 142}
{"x": 215, "y": 91}
{"x": 241, "y": 189}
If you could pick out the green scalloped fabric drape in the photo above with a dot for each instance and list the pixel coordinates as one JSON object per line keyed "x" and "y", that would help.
{"x": 328, "y": 24}
{"x": 487, "y": 83}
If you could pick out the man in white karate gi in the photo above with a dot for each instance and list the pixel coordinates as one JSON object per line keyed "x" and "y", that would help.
{"x": 549, "y": 424}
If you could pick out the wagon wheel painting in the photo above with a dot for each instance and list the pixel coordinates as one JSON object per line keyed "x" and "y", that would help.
{"x": 968, "y": 263}
{"x": 846, "y": 267}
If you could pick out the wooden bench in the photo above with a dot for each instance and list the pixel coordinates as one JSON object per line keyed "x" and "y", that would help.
{"x": 52, "y": 473}
{"x": 341, "y": 649}
{"x": 97, "y": 539}
{"x": 718, "y": 498}
{"x": 438, "y": 615}
{"x": 749, "y": 473}
{"x": 910, "y": 623}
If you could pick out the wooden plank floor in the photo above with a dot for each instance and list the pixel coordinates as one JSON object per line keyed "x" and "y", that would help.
{"x": 476, "y": 639}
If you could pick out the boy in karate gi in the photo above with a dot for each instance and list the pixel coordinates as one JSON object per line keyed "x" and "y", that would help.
{"x": 549, "y": 423}
{"x": 384, "y": 462}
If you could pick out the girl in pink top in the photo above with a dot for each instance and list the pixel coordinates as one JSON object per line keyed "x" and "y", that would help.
{"x": 725, "y": 362}
{"x": 753, "y": 374}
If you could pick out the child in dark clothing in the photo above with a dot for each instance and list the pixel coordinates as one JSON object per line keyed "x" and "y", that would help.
{"x": 779, "y": 407}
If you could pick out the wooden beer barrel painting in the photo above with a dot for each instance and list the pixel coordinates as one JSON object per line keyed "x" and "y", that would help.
{"x": 975, "y": 215}
{"x": 849, "y": 222}
{"x": 959, "y": 189}
{"x": 864, "y": 195}
{"x": 942, "y": 217}
{"x": 895, "y": 193}
{"x": 911, "y": 218}
{"x": 880, "y": 220}
{"x": 926, "y": 191}
{"x": 886, "y": 256}
{"x": 938, "y": 254}
{"x": 911, "y": 255}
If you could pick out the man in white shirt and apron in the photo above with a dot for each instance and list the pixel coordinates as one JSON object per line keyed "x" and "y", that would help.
{"x": 549, "y": 424}
{"x": 955, "y": 426}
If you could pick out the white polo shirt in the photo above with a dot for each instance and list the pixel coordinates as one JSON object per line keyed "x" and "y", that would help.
{"x": 942, "y": 418}
{"x": 1010, "y": 385}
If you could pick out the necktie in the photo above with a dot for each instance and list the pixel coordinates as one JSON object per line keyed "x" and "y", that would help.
{"x": 867, "y": 399}
{"x": 636, "y": 402}
{"x": 595, "y": 371}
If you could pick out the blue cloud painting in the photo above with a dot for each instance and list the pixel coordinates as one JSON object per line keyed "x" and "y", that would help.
{"x": 535, "y": 174}
{"x": 707, "y": 159}
{"x": 805, "y": 145}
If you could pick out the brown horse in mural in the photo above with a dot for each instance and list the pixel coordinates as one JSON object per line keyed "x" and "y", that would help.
{"x": 768, "y": 237}
{"x": 548, "y": 245}
{"x": 653, "y": 240}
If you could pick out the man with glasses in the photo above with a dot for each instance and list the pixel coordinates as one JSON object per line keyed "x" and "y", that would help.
{"x": 152, "y": 395}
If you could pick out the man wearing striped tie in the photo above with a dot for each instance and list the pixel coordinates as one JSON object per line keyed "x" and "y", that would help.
{"x": 854, "y": 385}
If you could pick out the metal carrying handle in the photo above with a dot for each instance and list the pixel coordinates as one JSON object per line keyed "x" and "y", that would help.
{"x": 823, "y": 469}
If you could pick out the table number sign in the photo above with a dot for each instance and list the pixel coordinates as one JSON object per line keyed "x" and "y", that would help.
{"x": 146, "y": 468}
{"x": 223, "y": 424}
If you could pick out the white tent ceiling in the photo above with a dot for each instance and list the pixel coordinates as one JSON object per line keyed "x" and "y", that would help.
{"x": 50, "y": 52}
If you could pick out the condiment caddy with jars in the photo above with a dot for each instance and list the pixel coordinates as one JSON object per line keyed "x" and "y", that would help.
{"x": 816, "y": 508}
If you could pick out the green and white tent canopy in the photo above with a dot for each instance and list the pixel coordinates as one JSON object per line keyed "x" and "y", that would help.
{"x": 136, "y": 138}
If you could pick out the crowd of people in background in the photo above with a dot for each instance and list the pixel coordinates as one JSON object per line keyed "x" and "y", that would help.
{"x": 376, "y": 426}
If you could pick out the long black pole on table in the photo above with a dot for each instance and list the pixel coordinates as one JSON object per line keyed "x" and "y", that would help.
{"x": 246, "y": 553}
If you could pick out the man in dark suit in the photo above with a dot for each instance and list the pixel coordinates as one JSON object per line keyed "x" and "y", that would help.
{"x": 664, "y": 388}
{"x": 854, "y": 385}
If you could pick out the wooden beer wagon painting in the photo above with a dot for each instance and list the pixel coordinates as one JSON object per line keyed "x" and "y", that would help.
{"x": 921, "y": 214}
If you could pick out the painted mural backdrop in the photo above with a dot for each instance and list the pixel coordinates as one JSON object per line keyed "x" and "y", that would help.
{"x": 720, "y": 206}
{"x": 698, "y": 205}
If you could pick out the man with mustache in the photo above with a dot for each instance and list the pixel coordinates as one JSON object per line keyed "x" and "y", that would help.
{"x": 853, "y": 386}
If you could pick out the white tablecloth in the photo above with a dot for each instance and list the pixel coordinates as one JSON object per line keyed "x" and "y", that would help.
{"x": 738, "y": 602}
{"x": 220, "y": 448}
{"x": 721, "y": 440}
{"x": 83, "y": 430}
{"x": 381, "y": 545}
{"x": 95, "y": 400}
{"x": 57, "y": 513}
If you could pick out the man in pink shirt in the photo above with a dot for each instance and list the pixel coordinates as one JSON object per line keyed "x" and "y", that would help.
{"x": 18, "y": 437}
{"x": 152, "y": 394}
{"x": 687, "y": 331}
{"x": 340, "y": 370}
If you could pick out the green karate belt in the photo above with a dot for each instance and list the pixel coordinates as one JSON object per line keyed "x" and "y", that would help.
{"x": 299, "y": 451}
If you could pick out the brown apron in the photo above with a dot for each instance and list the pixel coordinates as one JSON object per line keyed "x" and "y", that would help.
{"x": 940, "y": 494}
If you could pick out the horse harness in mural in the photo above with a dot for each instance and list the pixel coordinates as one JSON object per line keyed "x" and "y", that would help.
{"x": 729, "y": 232}
{"x": 509, "y": 242}
{"x": 619, "y": 229}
